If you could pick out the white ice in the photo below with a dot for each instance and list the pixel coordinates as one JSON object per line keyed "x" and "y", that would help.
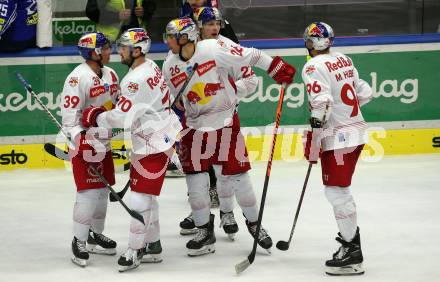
{"x": 398, "y": 202}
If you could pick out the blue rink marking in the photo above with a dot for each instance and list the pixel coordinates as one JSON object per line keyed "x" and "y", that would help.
{"x": 275, "y": 43}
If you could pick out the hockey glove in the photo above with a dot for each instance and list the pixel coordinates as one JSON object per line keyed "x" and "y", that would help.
{"x": 315, "y": 122}
{"x": 281, "y": 71}
{"x": 90, "y": 115}
{"x": 312, "y": 145}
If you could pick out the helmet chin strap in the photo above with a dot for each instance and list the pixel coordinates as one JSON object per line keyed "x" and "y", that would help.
{"x": 181, "y": 47}
{"x": 309, "y": 50}
{"x": 132, "y": 58}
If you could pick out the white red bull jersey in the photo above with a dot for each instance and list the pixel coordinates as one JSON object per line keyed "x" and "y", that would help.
{"x": 143, "y": 107}
{"x": 84, "y": 88}
{"x": 332, "y": 79}
{"x": 244, "y": 77}
{"x": 210, "y": 97}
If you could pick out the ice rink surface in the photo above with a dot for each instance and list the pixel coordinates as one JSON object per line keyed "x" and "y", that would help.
{"x": 398, "y": 202}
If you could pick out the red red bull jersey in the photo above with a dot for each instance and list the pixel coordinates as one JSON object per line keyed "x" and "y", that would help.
{"x": 143, "y": 107}
{"x": 83, "y": 88}
{"x": 332, "y": 80}
{"x": 210, "y": 97}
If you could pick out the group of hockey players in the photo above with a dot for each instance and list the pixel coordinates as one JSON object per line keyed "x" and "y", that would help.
{"x": 190, "y": 107}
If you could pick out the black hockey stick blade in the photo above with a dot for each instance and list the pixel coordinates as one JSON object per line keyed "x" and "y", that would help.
{"x": 242, "y": 266}
{"x": 133, "y": 213}
{"x": 120, "y": 193}
{"x": 282, "y": 245}
{"x": 56, "y": 152}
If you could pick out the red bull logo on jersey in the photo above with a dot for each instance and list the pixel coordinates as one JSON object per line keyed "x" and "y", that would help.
{"x": 202, "y": 93}
{"x": 88, "y": 41}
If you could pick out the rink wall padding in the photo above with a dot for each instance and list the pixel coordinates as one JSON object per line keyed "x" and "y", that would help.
{"x": 404, "y": 77}
{"x": 288, "y": 148}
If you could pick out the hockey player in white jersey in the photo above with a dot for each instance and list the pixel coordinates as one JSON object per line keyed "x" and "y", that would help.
{"x": 209, "y": 21}
{"x": 335, "y": 94}
{"x": 143, "y": 107}
{"x": 211, "y": 132}
{"x": 243, "y": 77}
{"x": 89, "y": 84}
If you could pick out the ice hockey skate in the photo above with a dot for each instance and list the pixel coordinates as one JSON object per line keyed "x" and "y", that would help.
{"x": 264, "y": 239}
{"x": 130, "y": 259}
{"x": 348, "y": 259}
{"x": 152, "y": 253}
{"x": 229, "y": 224}
{"x": 100, "y": 244}
{"x": 187, "y": 226}
{"x": 203, "y": 242}
{"x": 80, "y": 254}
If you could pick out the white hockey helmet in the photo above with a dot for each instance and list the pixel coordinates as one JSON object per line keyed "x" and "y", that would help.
{"x": 135, "y": 37}
{"x": 182, "y": 26}
{"x": 320, "y": 34}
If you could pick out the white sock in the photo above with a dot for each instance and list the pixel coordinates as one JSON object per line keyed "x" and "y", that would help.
{"x": 98, "y": 218}
{"x": 198, "y": 195}
{"x": 142, "y": 203}
{"x": 344, "y": 209}
{"x": 153, "y": 231}
{"x": 224, "y": 190}
{"x": 85, "y": 205}
{"x": 244, "y": 193}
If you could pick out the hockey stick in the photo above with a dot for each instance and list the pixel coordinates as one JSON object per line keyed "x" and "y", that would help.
{"x": 194, "y": 68}
{"x": 26, "y": 85}
{"x": 242, "y": 266}
{"x": 120, "y": 194}
{"x": 133, "y": 213}
{"x": 283, "y": 245}
{"x": 56, "y": 152}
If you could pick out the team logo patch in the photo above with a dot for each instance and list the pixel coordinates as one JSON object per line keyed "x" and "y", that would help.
{"x": 99, "y": 168}
{"x": 73, "y": 81}
{"x": 310, "y": 69}
{"x": 95, "y": 80}
{"x": 221, "y": 43}
{"x": 133, "y": 87}
{"x": 205, "y": 67}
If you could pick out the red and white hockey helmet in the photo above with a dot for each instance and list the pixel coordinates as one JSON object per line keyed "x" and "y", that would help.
{"x": 135, "y": 37}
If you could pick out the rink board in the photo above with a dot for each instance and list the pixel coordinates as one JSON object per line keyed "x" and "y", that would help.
{"x": 289, "y": 148}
